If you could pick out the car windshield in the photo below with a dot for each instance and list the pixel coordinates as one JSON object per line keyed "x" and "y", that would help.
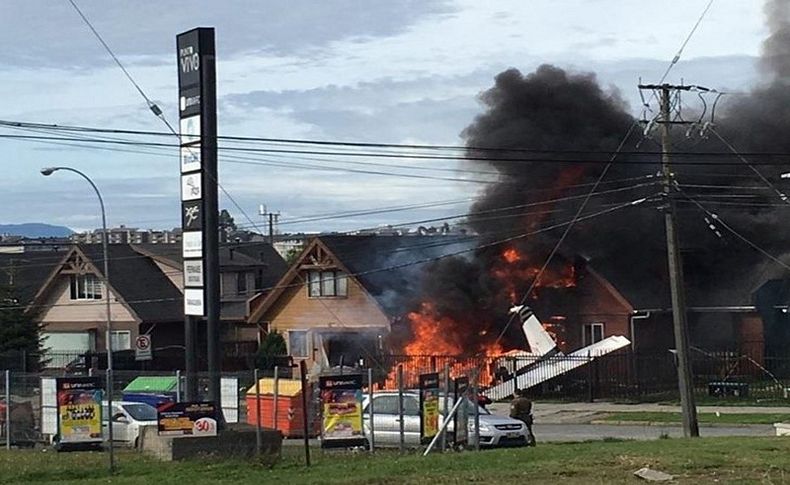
{"x": 140, "y": 412}
{"x": 387, "y": 404}
{"x": 470, "y": 406}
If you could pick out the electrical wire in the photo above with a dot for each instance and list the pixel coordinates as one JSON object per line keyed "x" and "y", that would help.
{"x": 631, "y": 203}
{"x": 715, "y": 217}
{"x": 576, "y": 217}
{"x": 743, "y": 159}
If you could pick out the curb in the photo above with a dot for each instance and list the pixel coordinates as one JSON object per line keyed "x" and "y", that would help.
{"x": 676, "y": 424}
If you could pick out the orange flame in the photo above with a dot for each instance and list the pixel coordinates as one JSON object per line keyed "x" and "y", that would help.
{"x": 435, "y": 343}
{"x": 511, "y": 255}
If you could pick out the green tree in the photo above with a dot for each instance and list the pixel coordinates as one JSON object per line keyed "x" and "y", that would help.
{"x": 291, "y": 255}
{"x": 20, "y": 339}
{"x": 272, "y": 346}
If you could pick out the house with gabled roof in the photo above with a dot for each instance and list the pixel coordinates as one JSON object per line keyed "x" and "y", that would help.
{"x": 342, "y": 295}
{"x": 345, "y": 293}
{"x": 70, "y": 307}
{"x": 64, "y": 291}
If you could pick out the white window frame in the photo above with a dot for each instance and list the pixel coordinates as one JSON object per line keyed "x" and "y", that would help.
{"x": 592, "y": 326}
{"x": 116, "y": 340}
{"x": 327, "y": 284}
{"x": 85, "y": 287}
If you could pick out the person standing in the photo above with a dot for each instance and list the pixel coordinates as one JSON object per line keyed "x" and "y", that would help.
{"x": 521, "y": 409}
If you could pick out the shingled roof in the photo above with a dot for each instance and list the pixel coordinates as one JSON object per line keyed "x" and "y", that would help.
{"x": 139, "y": 282}
{"x": 726, "y": 277}
{"x": 261, "y": 256}
{"x": 27, "y": 272}
{"x": 387, "y": 267}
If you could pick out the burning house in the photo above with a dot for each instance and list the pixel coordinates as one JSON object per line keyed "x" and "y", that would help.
{"x": 343, "y": 295}
{"x": 549, "y": 135}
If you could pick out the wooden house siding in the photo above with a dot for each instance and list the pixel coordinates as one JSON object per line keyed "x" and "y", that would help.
{"x": 296, "y": 310}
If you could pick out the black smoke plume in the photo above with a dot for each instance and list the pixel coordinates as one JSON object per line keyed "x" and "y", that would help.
{"x": 562, "y": 117}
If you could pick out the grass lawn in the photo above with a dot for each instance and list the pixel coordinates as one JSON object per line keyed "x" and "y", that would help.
{"x": 704, "y": 418}
{"x": 746, "y": 460}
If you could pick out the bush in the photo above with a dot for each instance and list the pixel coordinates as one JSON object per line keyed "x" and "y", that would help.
{"x": 271, "y": 351}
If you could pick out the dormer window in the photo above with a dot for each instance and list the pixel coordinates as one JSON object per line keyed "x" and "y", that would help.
{"x": 327, "y": 284}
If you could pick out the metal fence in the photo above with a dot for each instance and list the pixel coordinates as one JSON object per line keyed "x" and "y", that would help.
{"x": 619, "y": 376}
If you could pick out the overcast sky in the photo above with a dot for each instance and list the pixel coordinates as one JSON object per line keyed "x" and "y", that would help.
{"x": 404, "y": 71}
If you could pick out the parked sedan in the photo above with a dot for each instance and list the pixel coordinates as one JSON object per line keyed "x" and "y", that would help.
{"x": 127, "y": 418}
{"x": 494, "y": 430}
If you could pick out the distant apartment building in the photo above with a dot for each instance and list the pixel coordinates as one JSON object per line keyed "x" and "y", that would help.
{"x": 129, "y": 235}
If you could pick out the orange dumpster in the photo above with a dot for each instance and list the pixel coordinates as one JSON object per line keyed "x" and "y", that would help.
{"x": 289, "y": 407}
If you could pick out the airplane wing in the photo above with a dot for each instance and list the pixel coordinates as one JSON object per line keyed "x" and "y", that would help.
{"x": 555, "y": 366}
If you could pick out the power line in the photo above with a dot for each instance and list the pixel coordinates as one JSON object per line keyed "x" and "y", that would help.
{"x": 439, "y": 242}
{"x": 70, "y": 128}
{"x": 762, "y": 177}
{"x": 715, "y": 217}
{"x": 455, "y": 158}
{"x": 576, "y": 217}
{"x": 600, "y": 213}
{"x": 151, "y": 105}
{"x": 685, "y": 42}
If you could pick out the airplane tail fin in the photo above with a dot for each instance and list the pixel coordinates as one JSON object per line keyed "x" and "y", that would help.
{"x": 540, "y": 342}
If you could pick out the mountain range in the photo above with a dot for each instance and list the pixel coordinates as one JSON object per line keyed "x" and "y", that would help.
{"x": 35, "y": 229}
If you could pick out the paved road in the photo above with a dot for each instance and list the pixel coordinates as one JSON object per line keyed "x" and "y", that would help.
{"x": 583, "y": 432}
{"x": 584, "y": 413}
{"x": 587, "y": 432}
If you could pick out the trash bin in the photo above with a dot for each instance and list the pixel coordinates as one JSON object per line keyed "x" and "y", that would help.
{"x": 289, "y": 407}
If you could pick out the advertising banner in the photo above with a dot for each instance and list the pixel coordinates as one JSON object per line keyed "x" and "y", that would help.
{"x": 429, "y": 406}
{"x": 341, "y": 405}
{"x": 188, "y": 419}
{"x": 461, "y": 391}
{"x": 79, "y": 409}
{"x": 198, "y": 129}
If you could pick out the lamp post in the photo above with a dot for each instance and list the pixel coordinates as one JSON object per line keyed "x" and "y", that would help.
{"x": 108, "y": 335}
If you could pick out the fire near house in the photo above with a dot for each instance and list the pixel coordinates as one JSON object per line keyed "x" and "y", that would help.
{"x": 355, "y": 297}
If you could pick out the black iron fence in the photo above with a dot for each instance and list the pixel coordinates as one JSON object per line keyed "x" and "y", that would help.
{"x": 622, "y": 375}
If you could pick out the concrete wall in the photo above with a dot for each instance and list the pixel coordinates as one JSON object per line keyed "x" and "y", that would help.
{"x": 235, "y": 442}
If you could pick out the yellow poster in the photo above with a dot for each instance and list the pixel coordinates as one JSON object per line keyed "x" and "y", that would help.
{"x": 343, "y": 419}
{"x": 429, "y": 405}
{"x": 79, "y": 410}
{"x": 341, "y": 398}
{"x": 430, "y": 412}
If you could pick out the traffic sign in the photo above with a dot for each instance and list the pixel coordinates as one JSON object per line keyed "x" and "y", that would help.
{"x": 142, "y": 348}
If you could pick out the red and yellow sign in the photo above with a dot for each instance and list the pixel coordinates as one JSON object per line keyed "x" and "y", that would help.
{"x": 79, "y": 410}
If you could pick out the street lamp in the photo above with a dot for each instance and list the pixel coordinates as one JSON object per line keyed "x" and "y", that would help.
{"x": 47, "y": 171}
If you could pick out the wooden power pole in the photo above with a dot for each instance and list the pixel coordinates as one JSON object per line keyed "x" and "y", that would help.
{"x": 677, "y": 287}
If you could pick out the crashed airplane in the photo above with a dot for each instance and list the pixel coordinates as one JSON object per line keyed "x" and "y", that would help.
{"x": 545, "y": 361}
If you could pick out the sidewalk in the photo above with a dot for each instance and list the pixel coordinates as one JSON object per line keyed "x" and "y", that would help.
{"x": 577, "y": 413}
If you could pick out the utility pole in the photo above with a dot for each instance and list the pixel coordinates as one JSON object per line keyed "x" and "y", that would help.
{"x": 273, "y": 220}
{"x": 675, "y": 263}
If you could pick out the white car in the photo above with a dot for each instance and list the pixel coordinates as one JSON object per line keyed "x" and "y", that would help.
{"x": 494, "y": 430}
{"x": 127, "y": 418}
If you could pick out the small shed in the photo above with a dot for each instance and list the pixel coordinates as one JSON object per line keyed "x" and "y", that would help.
{"x": 289, "y": 407}
{"x": 153, "y": 390}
